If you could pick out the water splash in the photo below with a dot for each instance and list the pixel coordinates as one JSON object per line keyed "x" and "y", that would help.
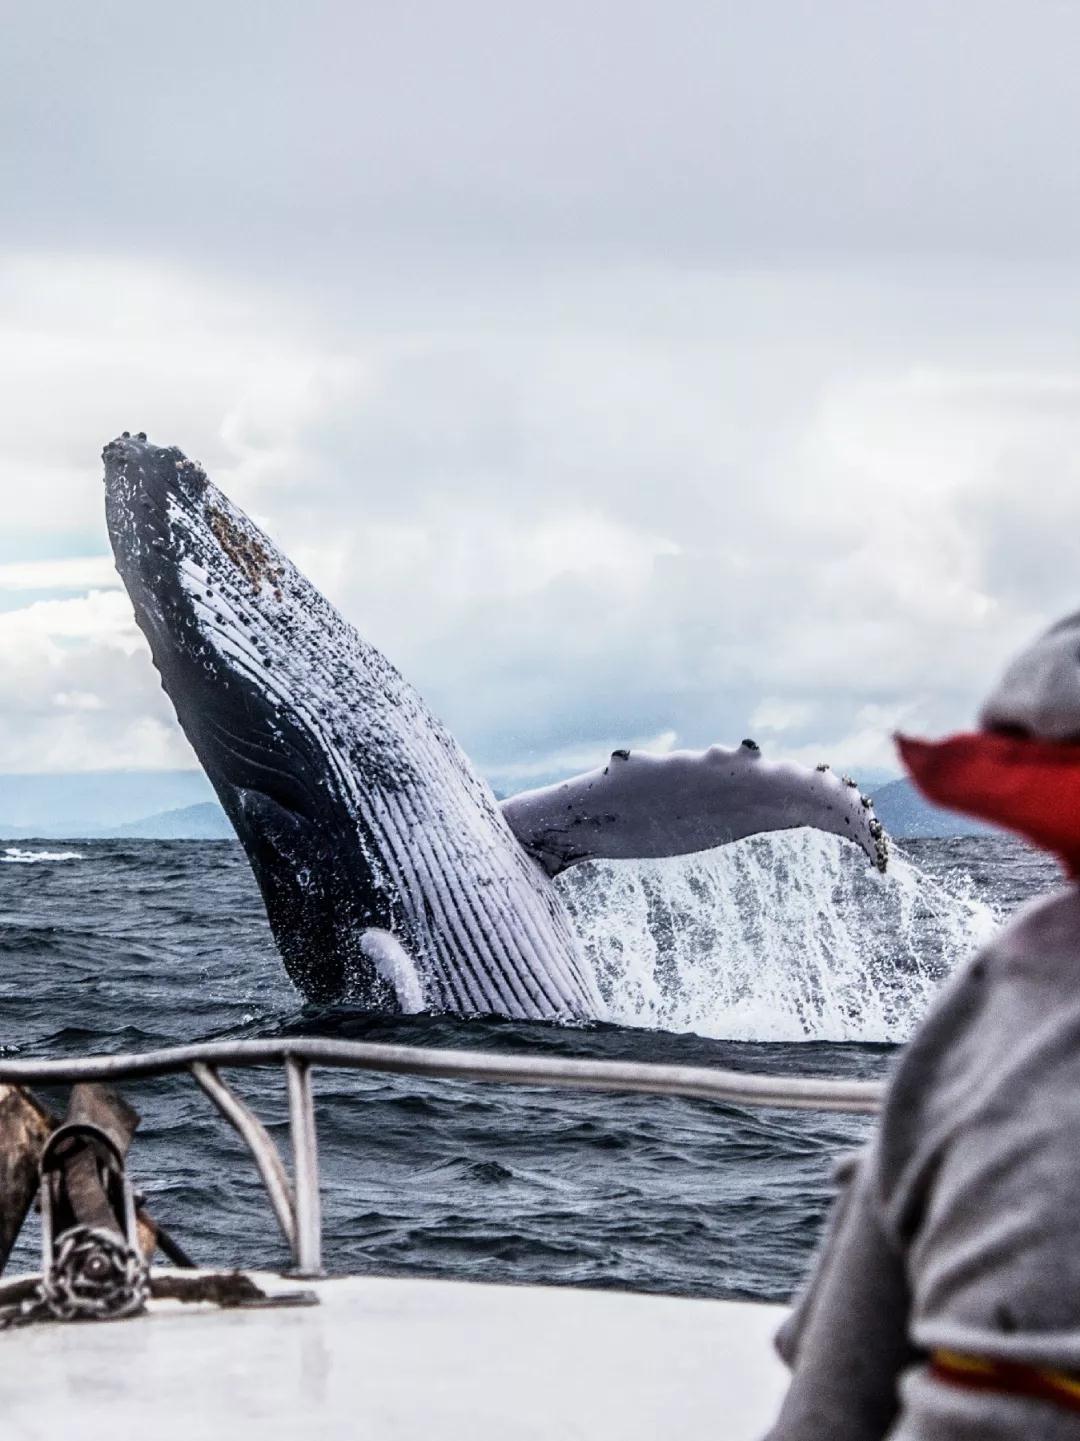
{"x": 14, "y": 856}
{"x": 786, "y": 937}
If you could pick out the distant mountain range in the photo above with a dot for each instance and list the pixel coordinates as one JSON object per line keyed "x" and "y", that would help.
{"x": 907, "y": 816}
{"x": 92, "y": 803}
{"x": 203, "y": 822}
{"x": 114, "y": 805}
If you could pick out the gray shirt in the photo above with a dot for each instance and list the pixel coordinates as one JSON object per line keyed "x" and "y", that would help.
{"x": 959, "y": 1228}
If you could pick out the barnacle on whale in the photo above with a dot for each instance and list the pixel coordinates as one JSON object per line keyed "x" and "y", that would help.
{"x": 246, "y": 552}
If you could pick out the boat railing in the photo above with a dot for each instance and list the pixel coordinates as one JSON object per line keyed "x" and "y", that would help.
{"x": 296, "y": 1203}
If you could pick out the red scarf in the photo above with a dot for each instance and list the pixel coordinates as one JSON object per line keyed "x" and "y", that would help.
{"x": 1025, "y": 785}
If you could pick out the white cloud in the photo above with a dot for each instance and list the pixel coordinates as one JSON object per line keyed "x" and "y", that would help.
{"x": 538, "y": 770}
{"x": 775, "y": 715}
{"x": 867, "y": 746}
{"x": 79, "y": 691}
{"x": 568, "y": 528}
{"x": 80, "y": 700}
{"x": 95, "y": 572}
{"x": 103, "y": 618}
{"x": 605, "y": 418}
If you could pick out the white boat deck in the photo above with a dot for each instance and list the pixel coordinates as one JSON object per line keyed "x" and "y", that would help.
{"x": 396, "y": 1359}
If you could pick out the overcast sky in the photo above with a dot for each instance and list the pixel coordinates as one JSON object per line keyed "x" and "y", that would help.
{"x": 631, "y": 373}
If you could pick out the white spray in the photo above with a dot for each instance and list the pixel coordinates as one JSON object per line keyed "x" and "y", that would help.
{"x": 787, "y": 937}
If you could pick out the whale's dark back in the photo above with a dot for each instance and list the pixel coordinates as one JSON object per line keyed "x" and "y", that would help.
{"x": 356, "y": 808}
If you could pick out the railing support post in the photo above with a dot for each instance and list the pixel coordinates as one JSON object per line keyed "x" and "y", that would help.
{"x": 307, "y": 1254}
{"x": 265, "y": 1153}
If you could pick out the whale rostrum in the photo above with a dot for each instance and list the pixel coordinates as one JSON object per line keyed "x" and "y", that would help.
{"x": 389, "y": 871}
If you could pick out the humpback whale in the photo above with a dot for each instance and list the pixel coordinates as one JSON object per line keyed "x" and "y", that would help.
{"x": 389, "y": 871}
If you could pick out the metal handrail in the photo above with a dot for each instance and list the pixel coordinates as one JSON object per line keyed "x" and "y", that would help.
{"x": 298, "y": 1211}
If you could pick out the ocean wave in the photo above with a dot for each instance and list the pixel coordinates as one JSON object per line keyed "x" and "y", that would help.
{"x": 14, "y": 856}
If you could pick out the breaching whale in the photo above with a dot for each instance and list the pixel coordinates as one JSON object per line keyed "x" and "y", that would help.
{"x": 389, "y": 871}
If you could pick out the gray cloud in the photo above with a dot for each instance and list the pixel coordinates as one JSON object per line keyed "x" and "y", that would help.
{"x": 698, "y": 133}
{"x": 623, "y": 370}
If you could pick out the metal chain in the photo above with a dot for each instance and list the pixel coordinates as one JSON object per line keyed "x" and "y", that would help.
{"x": 95, "y": 1274}
{"x": 22, "y": 1313}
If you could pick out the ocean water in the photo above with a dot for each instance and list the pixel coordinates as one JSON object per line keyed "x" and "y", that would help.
{"x": 782, "y": 954}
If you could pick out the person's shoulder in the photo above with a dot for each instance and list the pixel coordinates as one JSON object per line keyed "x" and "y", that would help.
{"x": 985, "y": 1001}
{"x": 1042, "y": 932}
{"x": 1042, "y": 940}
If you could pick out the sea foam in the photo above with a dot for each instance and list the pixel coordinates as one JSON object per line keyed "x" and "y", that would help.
{"x": 785, "y": 937}
{"x": 14, "y": 856}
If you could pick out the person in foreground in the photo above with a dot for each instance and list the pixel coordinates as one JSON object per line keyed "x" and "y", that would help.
{"x": 945, "y": 1302}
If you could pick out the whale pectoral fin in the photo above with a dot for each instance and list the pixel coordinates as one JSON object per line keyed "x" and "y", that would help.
{"x": 641, "y": 805}
{"x": 395, "y": 966}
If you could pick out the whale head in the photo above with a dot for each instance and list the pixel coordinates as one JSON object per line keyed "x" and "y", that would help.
{"x": 252, "y": 658}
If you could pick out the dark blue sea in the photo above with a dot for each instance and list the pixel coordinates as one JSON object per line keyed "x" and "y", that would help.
{"x": 780, "y": 955}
